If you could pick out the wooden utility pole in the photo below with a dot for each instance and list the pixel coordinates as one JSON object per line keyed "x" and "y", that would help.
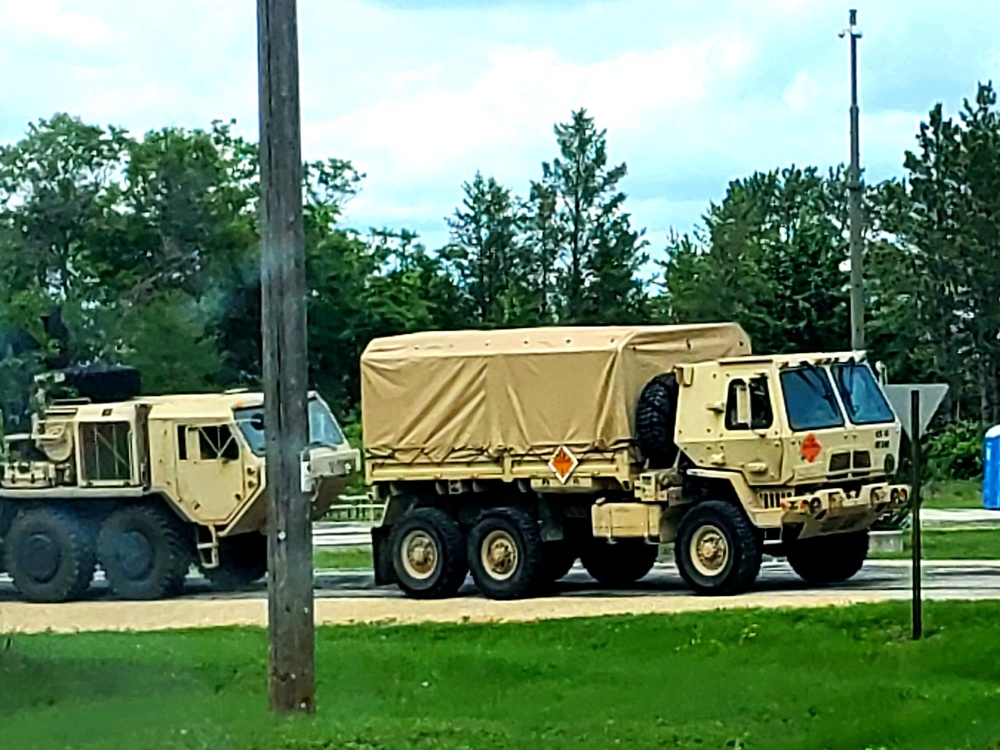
{"x": 292, "y": 678}
{"x": 854, "y": 190}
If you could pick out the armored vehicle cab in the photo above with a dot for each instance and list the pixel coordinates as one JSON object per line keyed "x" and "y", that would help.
{"x": 145, "y": 487}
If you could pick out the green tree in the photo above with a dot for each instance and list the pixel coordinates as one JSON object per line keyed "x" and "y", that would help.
{"x": 598, "y": 251}
{"x": 489, "y": 255}
{"x": 771, "y": 258}
{"x": 941, "y": 270}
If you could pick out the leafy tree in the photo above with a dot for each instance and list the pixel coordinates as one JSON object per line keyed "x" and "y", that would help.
{"x": 488, "y": 253}
{"x": 599, "y": 252}
{"x": 941, "y": 268}
{"x": 771, "y": 259}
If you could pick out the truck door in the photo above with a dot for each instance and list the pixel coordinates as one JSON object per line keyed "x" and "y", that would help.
{"x": 209, "y": 471}
{"x": 753, "y": 442}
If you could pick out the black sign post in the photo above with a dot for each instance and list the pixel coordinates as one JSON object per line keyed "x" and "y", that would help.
{"x": 917, "y": 615}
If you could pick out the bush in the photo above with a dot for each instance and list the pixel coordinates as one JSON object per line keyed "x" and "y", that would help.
{"x": 956, "y": 452}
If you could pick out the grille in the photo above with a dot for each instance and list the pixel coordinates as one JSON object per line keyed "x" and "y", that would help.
{"x": 772, "y": 498}
{"x": 862, "y": 460}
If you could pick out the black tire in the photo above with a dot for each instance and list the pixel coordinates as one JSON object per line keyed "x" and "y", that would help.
{"x": 50, "y": 554}
{"x": 242, "y": 561}
{"x": 559, "y": 558}
{"x": 718, "y": 523}
{"x": 621, "y": 563}
{"x": 829, "y": 559}
{"x": 655, "y": 414}
{"x": 145, "y": 552}
{"x": 428, "y": 554}
{"x": 506, "y": 555}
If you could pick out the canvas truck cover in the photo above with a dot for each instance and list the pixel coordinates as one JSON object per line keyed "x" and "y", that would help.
{"x": 464, "y": 396}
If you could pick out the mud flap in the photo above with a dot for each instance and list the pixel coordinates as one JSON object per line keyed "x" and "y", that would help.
{"x": 385, "y": 574}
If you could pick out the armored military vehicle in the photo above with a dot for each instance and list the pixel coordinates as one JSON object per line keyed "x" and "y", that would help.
{"x": 514, "y": 453}
{"x": 145, "y": 487}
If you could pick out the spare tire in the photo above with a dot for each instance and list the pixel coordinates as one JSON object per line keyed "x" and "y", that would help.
{"x": 655, "y": 415}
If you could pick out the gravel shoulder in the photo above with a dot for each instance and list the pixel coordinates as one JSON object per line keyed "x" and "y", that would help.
{"x": 17, "y": 617}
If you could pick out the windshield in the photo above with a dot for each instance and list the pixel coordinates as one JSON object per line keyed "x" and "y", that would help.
{"x": 809, "y": 399}
{"x": 323, "y": 429}
{"x": 863, "y": 399}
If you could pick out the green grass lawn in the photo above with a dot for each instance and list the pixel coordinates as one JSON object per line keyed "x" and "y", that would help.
{"x": 972, "y": 544}
{"x": 343, "y": 558}
{"x": 953, "y": 494}
{"x": 830, "y": 678}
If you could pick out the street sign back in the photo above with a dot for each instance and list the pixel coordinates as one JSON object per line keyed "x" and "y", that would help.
{"x": 931, "y": 396}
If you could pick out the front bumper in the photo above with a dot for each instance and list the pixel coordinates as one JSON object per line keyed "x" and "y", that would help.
{"x": 835, "y": 509}
{"x": 879, "y": 498}
{"x": 325, "y": 476}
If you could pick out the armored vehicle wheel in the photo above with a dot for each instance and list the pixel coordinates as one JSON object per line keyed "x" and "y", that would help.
{"x": 242, "y": 561}
{"x": 50, "y": 554}
{"x": 829, "y": 559}
{"x": 506, "y": 555}
{"x": 621, "y": 563}
{"x": 428, "y": 554}
{"x": 655, "y": 414}
{"x": 718, "y": 550}
{"x": 559, "y": 559}
{"x": 144, "y": 552}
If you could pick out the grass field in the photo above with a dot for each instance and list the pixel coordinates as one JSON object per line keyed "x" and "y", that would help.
{"x": 973, "y": 544}
{"x": 953, "y": 494}
{"x": 343, "y": 558}
{"x": 831, "y": 678}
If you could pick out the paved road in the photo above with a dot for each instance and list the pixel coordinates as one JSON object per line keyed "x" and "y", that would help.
{"x": 889, "y": 579}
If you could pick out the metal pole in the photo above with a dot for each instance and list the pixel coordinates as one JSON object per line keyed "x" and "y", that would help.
{"x": 854, "y": 188}
{"x": 292, "y": 686}
{"x": 917, "y": 616}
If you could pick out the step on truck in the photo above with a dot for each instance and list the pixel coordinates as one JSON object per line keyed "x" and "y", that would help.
{"x": 146, "y": 487}
{"x": 512, "y": 454}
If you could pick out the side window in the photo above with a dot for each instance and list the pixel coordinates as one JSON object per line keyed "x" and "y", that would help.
{"x": 182, "y": 445}
{"x": 749, "y": 406}
{"x": 217, "y": 442}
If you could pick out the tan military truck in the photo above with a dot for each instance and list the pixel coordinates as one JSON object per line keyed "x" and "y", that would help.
{"x": 513, "y": 453}
{"x": 145, "y": 487}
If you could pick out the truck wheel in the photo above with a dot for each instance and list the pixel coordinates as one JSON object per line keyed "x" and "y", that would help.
{"x": 144, "y": 552}
{"x": 50, "y": 554}
{"x": 621, "y": 563}
{"x": 428, "y": 554}
{"x": 506, "y": 555}
{"x": 718, "y": 550}
{"x": 242, "y": 561}
{"x": 655, "y": 414}
{"x": 829, "y": 559}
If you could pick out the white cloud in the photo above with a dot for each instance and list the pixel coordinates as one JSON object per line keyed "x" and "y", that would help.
{"x": 49, "y": 19}
{"x": 420, "y": 98}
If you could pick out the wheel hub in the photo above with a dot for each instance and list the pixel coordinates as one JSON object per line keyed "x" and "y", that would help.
{"x": 420, "y": 554}
{"x": 499, "y": 555}
{"x": 39, "y": 557}
{"x": 709, "y": 550}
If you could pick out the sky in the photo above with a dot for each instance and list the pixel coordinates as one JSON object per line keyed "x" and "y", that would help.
{"x": 420, "y": 94}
